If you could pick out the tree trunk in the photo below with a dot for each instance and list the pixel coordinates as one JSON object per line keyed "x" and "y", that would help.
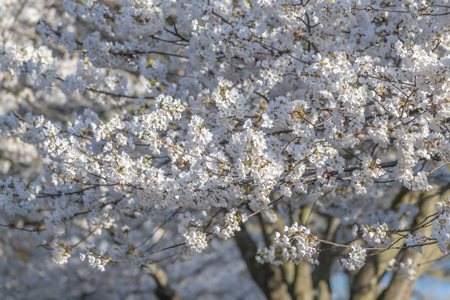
{"x": 268, "y": 277}
{"x": 401, "y": 288}
{"x": 163, "y": 290}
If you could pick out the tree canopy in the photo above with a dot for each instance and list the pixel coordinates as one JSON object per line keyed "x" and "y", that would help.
{"x": 199, "y": 149}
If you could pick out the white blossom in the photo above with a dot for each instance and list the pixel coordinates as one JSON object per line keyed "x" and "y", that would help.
{"x": 190, "y": 229}
{"x": 415, "y": 240}
{"x": 267, "y": 255}
{"x": 377, "y": 235}
{"x": 60, "y": 254}
{"x": 297, "y": 244}
{"x": 118, "y": 116}
{"x": 232, "y": 220}
{"x": 355, "y": 259}
{"x": 405, "y": 270}
{"x": 441, "y": 225}
{"x": 96, "y": 259}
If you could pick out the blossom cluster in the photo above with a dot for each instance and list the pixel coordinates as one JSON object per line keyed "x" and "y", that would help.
{"x": 116, "y": 116}
{"x": 267, "y": 255}
{"x": 355, "y": 259}
{"x": 370, "y": 170}
{"x": 405, "y": 270}
{"x": 232, "y": 219}
{"x": 441, "y": 225}
{"x": 415, "y": 240}
{"x": 298, "y": 244}
{"x": 377, "y": 235}
{"x": 60, "y": 254}
{"x": 96, "y": 259}
{"x": 191, "y": 230}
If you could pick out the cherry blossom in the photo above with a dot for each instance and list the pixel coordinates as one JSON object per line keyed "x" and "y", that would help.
{"x": 181, "y": 134}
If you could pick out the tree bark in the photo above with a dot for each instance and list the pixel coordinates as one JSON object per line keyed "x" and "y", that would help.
{"x": 322, "y": 273}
